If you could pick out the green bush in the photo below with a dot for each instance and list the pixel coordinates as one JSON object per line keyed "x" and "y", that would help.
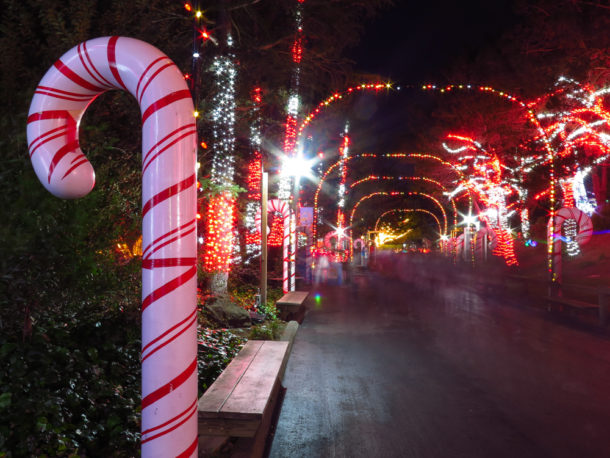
{"x": 74, "y": 389}
{"x": 216, "y": 348}
{"x": 266, "y": 331}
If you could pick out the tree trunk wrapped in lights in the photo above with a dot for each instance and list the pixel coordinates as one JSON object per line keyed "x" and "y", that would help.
{"x": 221, "y": 206}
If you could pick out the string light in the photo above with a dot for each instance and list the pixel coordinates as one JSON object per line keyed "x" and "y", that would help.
{"x": 219, "y": 235}
{"x": 253, "y": 179}
{"x": 375, "y": 87}
{"x": 413, "y": 179}
{"x": 417, "y": 156}
{"x": 343, "y": 155}
{"x": 220, "y": 215}
{"x": 485, "y": 178}
{"x": 399, "y": 194}
{"x": 409, "y": 210}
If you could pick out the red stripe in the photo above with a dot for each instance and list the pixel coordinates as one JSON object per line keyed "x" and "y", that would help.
{"x": 168, "y": 287}
{"x": 167, "y": 193}
{"x": 154, "y": 75}
{"x": 85, "y": 66}
{"x": 170, "y": 386}
{"x": 170, "y": 340}
{"x": 144, "y": 74}
{"x": 167, "y": 262}
{"x": 73, "y": 94}
{"x": 150, "y": 430}
{"x": 169, "y": 145}
{"x": 75, "y": 166}
{"x": 156, "y": 339}
{"x": 174, "y": 132}
{"x": 68, "y": 73}
{"x": 60, "y": 154}
{"x": 64, "y": 128}
{"x": 157, "y": 248}
{"x": 168, "y": 234}
{"x": 108, "y": 83}
{"x": 62, "y": 97}
{"x": 47, "y": 133}
{"x": 177, "y": 425}
{"x": 164, "y": 101}
{"x": 190, "y": 450}
{"x": 112, "y": 61}
{"x": 52, "y": 114}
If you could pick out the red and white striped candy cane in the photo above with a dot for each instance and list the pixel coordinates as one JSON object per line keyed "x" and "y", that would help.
{"x": 169, "y": 314}
{"x": 585, "y": 231}
{"x": 282, "y": 208}
{"x": 483, "y": 236}
{"x": 459, "y": 245}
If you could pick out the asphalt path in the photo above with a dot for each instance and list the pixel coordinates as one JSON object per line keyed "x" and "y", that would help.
{"x": 388, "y": 367}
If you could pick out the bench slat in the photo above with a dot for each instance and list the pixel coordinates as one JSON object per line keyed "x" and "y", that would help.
{"x": 293, "y": 298}
{"x": 251, "y": 396}
{"x": 572, "y": 303}
{"x": 217, "y": 394}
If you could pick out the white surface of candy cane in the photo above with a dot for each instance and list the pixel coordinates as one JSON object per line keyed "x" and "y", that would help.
{"x": 459, "y": 245}
{"x": 282, "y": 208}
{"x": 585, "y": 231}
{"x": 485, "y": 235}
{"x": 169, "y": 314}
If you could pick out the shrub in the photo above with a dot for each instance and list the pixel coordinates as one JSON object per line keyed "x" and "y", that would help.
{"x": 72, "y": 390}
{"x": 216, "y": 348}
{"x": 266, "y": 331}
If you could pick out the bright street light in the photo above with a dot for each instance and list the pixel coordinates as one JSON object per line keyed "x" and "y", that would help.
{"x": 297, "y": 166}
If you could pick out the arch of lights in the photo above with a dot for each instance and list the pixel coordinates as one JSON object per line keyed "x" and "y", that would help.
{"x": 529, "y": 115}
{"x": 400, "y": 194}
{"x": 375, "y": 87}
{"x": 409, "y": 210}
{"x": 415, "y": 178}
{"x": 419, "y": 156}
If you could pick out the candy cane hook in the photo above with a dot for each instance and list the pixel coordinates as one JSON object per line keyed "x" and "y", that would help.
{"x": 283, "y": 208}
{"x": 585, "y": 231}
{"x": 169, "y": 315}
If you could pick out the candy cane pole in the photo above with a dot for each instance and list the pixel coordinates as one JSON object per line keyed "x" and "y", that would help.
{"x": 283, "y": 208}
{"x": 169, "y": 315}
{"x": 585, "y": 231}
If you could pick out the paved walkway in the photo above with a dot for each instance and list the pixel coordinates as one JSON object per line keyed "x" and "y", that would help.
{"x": 381, "y": 369}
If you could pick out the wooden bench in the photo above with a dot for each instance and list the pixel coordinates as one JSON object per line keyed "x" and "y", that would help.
{"x": 291, "y": 305}
{"x": 601, "y": 294}
{"x": 572, "y": 303}
{"x": 240, "y": 403}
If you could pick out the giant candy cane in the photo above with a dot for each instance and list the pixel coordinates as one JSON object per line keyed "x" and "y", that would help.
{"x": 282, "y": 208}
{"x": 169, "y": 320}
{"x": 484, "y": 237}
{"x": 585, "y": 231}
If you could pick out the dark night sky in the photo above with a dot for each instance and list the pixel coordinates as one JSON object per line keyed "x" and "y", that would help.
{"x": 415, "y": 42}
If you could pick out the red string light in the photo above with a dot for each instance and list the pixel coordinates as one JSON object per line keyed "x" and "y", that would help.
{"x": 219, "y": 233}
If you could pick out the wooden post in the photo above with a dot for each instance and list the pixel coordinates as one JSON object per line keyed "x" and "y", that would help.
{"x": 264, "y": 191}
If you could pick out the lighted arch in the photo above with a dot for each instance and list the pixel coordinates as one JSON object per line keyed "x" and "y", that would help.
{"x": 529, "y": 114}
{"x": 338, "y": 96}
{"x": 410, "y": 210}
{"x": 415, "y": 178}
{"x": 400, "y": 194}
{"x": 419, "y": 156}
